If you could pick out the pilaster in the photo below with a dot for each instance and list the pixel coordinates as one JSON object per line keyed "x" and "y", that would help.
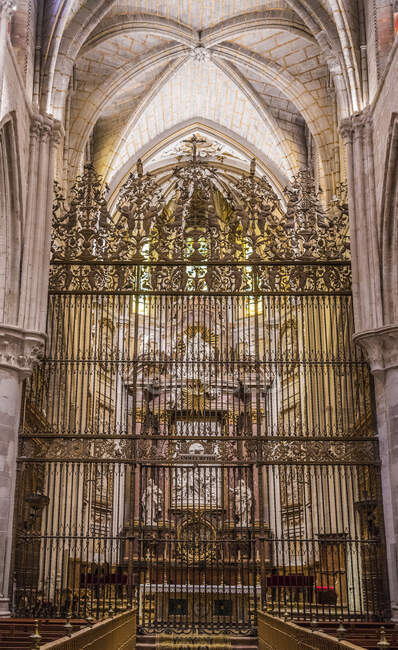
{"x": 45, "y": 135}
{"x": 22, "y": 342}
{"x": 20, "y": 350}
{"x": 379, "y": 342}
{"x": 381, "y": 348}
{"x": 357, "y": 135}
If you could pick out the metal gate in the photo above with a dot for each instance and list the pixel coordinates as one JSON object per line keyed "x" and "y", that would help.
{"x": 199, "y": 438}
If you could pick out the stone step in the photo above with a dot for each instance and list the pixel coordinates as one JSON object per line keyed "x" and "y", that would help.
{"x": 196, "y": 642}
{"x": 151, "y": 646}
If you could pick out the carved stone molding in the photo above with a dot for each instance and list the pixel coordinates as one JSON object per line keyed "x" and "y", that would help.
{"x": 346, "y": 130}
{"x": 363, "y": 118}
{"x": 7, "y": 7}
{"x": 45, "y": 128}
{"x": 380, "y": 346}
{"x": 358, "y": 125}
{"x": 200, "y": 54}
{"x": 20, "y": 349}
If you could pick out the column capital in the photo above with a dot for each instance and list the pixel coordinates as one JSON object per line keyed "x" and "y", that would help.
{"x": 380, "y": 346}
{"x": 346, "y": 130}
{"x": 7, "y": 7}
{"x": 20, "y": 349}
{"x": 355, "y": 125}
{"x": 46, "y": 128}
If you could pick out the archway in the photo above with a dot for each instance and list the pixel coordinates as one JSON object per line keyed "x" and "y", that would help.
{"x": 199, "y": 437}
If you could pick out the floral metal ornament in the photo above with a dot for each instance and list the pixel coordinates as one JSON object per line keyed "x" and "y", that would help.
{"x": 190, "y": 226}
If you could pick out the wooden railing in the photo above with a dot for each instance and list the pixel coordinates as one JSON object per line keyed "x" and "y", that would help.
{"x": 276, "y": 634}
{"x": 117, "y": 633}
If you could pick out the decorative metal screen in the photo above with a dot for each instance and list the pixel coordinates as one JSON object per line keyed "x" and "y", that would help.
{"x": 199, "y": 439}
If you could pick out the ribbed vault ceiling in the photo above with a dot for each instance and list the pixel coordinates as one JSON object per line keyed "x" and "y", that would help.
{"x": 273, "y": 75}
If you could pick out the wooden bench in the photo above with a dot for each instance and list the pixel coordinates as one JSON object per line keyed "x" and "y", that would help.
{"x": 15, "y": 633}
{"x": 362, "y": 633}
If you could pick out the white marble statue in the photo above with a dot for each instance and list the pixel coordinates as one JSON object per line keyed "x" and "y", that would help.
{"x": 152, "y": 503}
{"x": 243, "y": 501}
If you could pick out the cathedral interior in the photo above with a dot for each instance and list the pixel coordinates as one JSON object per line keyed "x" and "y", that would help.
{"x": 198, "y": 328}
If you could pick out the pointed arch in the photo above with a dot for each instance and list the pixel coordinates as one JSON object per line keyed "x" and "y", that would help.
{"x": 255, "y": 20}
{"x": 278, "y": 179}
{"x": 173, "y": 56}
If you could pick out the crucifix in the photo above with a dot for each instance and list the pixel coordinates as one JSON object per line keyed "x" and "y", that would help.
{"x": 194, "y": 141}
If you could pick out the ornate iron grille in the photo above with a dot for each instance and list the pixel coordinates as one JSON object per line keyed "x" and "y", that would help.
{"x": 199, "y": 437}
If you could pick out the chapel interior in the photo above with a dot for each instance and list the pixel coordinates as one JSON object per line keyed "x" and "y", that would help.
{"x": 198, "y": 323}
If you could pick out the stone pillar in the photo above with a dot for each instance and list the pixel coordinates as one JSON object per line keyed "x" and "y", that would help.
{"x": 381, "y": 347}
{"x": 357, "y": 135}
{"x": 19, "y": 350}
{"x": 45, "y": 134}
{"x": 22, "y": 342}
{"x": 6, "y": 9}
{"x": 379, "y": 341}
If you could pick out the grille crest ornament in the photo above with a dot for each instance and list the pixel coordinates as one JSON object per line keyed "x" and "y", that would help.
{"x": 189, "y": 225}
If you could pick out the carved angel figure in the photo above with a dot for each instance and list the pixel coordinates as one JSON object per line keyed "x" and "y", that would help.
{"x": 152, "y": 503}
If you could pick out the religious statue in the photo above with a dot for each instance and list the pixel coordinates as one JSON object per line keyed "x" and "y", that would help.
{"x": 242, "y": 503}
{"x": 151, "y": 503}
{"x": 150, "y": 347}
{"x": 197, "y": 349}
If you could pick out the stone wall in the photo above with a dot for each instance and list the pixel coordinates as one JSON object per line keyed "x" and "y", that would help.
{"x": 27, "y": 143}
{"x": 385, "y": 107}
{"x": 14, "y": 102}
{"x": 372, "y": 170}
{"x": 371, "y": 137}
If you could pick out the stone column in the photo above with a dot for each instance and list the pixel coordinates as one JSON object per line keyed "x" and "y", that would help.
{"x": 45, "y": 134}
{"x": 6, "y": 9}
{"x": 22, "y": 342}
{"x": 356, "y": 133}
{"x": 381, "y": 347}
{"x": 379, "y": 341}
{"x": 19, "y": 350}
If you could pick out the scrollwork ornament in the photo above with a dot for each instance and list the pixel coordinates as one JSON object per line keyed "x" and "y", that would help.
{"x": 243, "y": 222}
{"x": 328, "y": 451}
{"x": 168, "y": 278}
{"x": 147, "y": 449}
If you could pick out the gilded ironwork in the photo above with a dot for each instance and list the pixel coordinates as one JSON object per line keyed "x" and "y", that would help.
{"x": 238, "y": 278}
{"x": 199, "y": 438}
{"x": 200, "y": 218}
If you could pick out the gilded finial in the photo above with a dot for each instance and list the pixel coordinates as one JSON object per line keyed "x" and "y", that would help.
{"x": 68, "y": 627}
{"x": 341, "y": 630}
{"x": 36, "y": 638}
{"x": 382, "y": 642}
